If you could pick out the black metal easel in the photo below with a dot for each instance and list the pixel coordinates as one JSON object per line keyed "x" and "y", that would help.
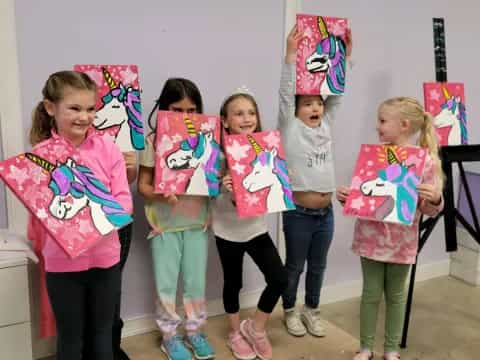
{"x": 449, "y": 155}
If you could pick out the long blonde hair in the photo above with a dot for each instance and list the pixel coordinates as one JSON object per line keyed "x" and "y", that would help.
{"x": 54, "y": 91}
{"x": 409, "y": 108}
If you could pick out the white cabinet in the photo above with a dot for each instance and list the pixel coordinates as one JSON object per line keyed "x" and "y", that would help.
{"x": 15, "y": 324}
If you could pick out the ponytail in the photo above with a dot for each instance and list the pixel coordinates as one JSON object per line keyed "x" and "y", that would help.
{"x": 428, "y": 140}
{"x": 42, "y": 124}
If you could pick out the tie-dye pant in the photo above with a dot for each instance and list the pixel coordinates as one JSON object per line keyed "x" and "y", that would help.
{"x": 185, "y": 252}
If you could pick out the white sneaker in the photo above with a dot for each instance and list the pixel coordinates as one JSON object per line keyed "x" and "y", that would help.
{"x": 294, "y": 323}
{"x": 311, "y": 318}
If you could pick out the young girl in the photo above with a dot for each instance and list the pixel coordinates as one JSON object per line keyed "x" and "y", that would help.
{"x": 387, "y": 249}
{"x": 82, "y": 290}
{"x": 178, "y": 239}
{"x": 305, "y": 122}
{"x": 235, "y": 237}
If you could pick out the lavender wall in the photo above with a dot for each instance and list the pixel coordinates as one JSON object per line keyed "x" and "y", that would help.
{"x": 223, "y": 44}
{"x": 3, "y": 201}
{"x": 218, "y": 44}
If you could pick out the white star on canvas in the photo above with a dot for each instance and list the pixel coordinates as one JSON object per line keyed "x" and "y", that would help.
{"x": 165, "y": 144}
{"x": 19, "y": 175}
{"x": 128, "y": 75}
{"x": 357, "y": 203}
{"x": 272, "y": 140}
{"x": 41, "y": 213}
{"x": 251, "y": 199}
{"x": 177, "y": 137}
{"x": 83, "y": 226}
{"x": 237, "y": 151}
{"x": 435, "y": 95}
{"x": 208, "y": 125}
{"x": 36, "y": 174}
{"x": 337, "y": 29}
{"x": 96, "y": 76}
{"x": 238, "y": 168}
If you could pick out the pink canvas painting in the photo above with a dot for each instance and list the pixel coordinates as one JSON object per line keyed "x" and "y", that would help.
{"x": 73, "y": 205}
{"x": 321, "y": 55}
{"x": 119, "y": 111}
{"x": 187, "y": 159}
{"x": 446, "y": 102}
{"x": 384, "y": 183}
{"x": 257, "y": 165}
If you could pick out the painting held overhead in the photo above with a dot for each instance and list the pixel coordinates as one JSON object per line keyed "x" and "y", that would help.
{"x": 321, "y": 55}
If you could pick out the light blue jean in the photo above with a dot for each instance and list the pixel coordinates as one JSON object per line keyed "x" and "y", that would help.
{"x": 308, "y": 235}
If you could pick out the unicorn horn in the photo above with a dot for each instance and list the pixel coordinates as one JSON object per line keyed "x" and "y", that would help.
{"x": 391, "y": 156}
{"x": 190, "y": 128}
{"x": 255, "y": 145}
{"x": 108, "y": 78}
{"x": 44, "y": 164}
{"x": 445, "y": 93}
{"x": 322, "y": 27}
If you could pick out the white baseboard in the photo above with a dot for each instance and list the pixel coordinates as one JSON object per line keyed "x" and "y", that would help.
{"x": 333, "y": 293}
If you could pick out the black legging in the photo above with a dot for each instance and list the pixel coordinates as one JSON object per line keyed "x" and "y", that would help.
{"x": 125, "y": 237}
{"x": 79, "y": 298}
{"x": 264, "y": 253}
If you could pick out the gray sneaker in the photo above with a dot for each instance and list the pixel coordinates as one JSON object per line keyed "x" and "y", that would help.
{"x": 293, "y": 323}
{"x": 311, "y": 319}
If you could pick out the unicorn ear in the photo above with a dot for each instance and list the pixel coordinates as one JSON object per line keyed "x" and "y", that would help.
{"x": 274, "y": 152}
{"x": 209, "y": 136}
{"x": 70, "y": 163}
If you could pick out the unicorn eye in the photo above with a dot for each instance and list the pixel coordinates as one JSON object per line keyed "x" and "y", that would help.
{"x": 115, "y": 106}
{"x": 380, "y": 184}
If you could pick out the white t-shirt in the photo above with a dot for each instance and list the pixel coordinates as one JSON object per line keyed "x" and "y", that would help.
{"x": 227, "y": 225}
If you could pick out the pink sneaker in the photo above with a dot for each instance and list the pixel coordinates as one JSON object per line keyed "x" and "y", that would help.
{"x": 241, "y": 349}
{"x": 259, "y": 341}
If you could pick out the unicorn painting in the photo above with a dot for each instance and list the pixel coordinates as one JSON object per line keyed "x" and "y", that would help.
{"x": 200, "y": 152}
{"x": 75, "y": 188}
{"x": 321, "y": 55}
{"x": 269, "y": 171}
{"x": 453, "y": 116}
{"x": 384, "y": 185}
{"x": 121, "y": 110}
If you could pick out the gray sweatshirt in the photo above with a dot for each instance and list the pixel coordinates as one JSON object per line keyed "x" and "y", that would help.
{"x": 308, "y": 150}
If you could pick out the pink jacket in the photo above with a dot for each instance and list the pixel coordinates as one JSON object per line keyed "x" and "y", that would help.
{"x": 104, "y": 158}
{"x": 394, "y": 243}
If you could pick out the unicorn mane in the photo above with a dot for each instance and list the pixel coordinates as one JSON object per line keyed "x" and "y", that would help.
{"x": 212, "y": 166}
{"x": 336, "y": 72}
{"x": 280, "y": 170}
{"x": 63, "y": 181}
{"x": 406, "y": 181}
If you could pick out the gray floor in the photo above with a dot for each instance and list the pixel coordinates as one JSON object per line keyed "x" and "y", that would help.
{"x": 445, "y": 325}
{"x": 445, "y": 322}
